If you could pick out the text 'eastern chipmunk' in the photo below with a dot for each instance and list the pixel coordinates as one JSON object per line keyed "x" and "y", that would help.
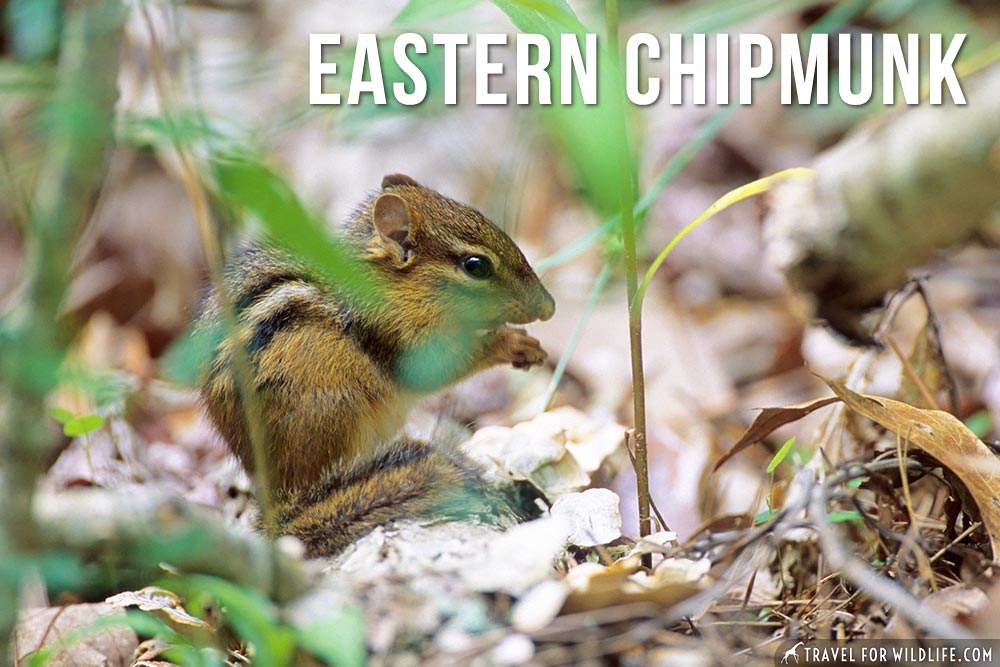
{"x": 335, "y": 380}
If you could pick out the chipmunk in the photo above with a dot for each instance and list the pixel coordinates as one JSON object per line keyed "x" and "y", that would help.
{"x": 335, "y": 378}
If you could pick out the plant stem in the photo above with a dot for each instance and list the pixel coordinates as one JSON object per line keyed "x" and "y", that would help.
{"x": 627, "y": 189}
{"x": 82, "y": 111}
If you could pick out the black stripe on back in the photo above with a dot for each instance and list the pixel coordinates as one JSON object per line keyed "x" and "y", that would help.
{"x": 279, "y": 320}
{"x": 380, "y": 349}
{"x": 257, "y": 290}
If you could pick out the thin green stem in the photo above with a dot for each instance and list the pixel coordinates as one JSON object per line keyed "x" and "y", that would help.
{"x": 627, "y": 189}
{"x": 722, "y": 203}
{"x": 705, "y": 134}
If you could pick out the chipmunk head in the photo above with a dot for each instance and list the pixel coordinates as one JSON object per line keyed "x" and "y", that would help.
{"x": 454, "y": 251}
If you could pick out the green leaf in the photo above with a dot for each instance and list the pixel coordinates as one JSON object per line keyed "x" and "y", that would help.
{"x": 34, "y": 27}
{"x": 338, "y": 639}
{"x": 841, "y": 517}
{"x": 980, "y": 423}
{"x": 21, "y": 79}
{"x": 248, "y": 184}
{"x": 735, "y": 195}
{"x": 856, "y": 482}
{"x": 764, "y": 516}
{"x": 185, "y": 359}
{"x": 252, "y": 615}
{"x": 593, "y": 138}
{"x": 780, "y": 455}
{"x": 61, "y": 415}
{"x": 180, "y": 128}
{"x": 416, "y": 11}
{"x": 83, "y": 425}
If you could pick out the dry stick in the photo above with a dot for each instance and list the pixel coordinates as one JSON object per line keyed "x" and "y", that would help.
{"x": 912, "y": 533}
{"x": 911, "y": 372}
{"x": 965, "y": 533}
{"x": 932, "y": 319}
{"x": 256, "y": 429}
{"x": 71, "y": 173}
{"x": 137, "y": 529}
{"x": 859, "y": 573}
{"x": 856, "y": 375}
{"x": 652, "y": 503}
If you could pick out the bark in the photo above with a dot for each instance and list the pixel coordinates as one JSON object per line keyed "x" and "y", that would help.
{"x": 885, "y": 198}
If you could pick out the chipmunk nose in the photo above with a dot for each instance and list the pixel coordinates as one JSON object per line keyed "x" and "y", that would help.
{"x": 546, "y": 305}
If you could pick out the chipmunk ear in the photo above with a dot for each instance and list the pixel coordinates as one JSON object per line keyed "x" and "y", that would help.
{"x": 390, "y": 180}
{"x": 391, "y": 219}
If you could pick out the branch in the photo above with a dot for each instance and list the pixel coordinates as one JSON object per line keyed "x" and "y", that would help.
{"x": 885, "y": 199}
{"x": 140, "y": 532}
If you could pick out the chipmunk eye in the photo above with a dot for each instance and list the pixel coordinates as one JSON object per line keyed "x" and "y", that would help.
{"x": 477, "y": 266}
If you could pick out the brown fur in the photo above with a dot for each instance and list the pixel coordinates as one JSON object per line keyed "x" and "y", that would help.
{"x": 407, "y": 479}
{"x": 335, "y": 381}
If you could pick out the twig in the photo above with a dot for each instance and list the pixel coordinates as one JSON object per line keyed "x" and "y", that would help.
{"x": 859, "y": 573}
{"x": 965, "y": 533}
{"x": 256, "y": 429}
{"x": 652, "y": 503}
{"x": 915, "y": 378}
{"x": 141, "y": 531}
{"x": 856, "y": 375}
{"x": 932, "y": 320}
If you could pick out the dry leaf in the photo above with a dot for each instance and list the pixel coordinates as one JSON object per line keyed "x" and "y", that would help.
{"x": 558, "y": 451}
{"x": 960, "y": 600}
{"x": 594, "y": 586}
{"x": 109, "y": 647}
{"x": 948, "y": 440}
{"x": 519, "y": 558}
{"x": 592, "y": 516}
{"x": 655, "y": 543}
{"x": 153, "y": 598}
{"x": 539, "y": 606}
{"x": 771, "y": 419}
{"x": 926, "y": 361}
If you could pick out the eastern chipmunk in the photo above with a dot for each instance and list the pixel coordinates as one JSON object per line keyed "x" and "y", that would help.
{"x": 335, "y": 380}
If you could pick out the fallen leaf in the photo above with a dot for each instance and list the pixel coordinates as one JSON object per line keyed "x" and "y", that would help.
{"x": 592, "y": 516}
{"x": 771, "y": 419}
{"x": 154, "y": 598}
{"x": 519, "y": 558}
{"x": 948, "y": 440}
{"x": 559, "y": 452}
{"x": 594, "y": 586}
{"x": 46, "y": 627}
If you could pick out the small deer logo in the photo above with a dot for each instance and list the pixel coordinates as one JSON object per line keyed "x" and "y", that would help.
{"x": 792, "y": 653}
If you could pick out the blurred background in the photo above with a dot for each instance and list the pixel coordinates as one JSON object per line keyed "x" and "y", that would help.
{"x": 723, "y": 334}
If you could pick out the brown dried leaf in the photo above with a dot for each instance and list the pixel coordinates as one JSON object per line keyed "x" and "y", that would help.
{"x": 594, "y": 586}
{"x": 109, "y": 647}
{"x": 926, "y": 361}
{"x": 153, "y": 598}
{"x": 947, "y": 439}
{"x": 769, "y": 420}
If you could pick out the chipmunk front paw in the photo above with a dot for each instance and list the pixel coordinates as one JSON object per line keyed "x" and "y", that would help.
{"x": 515, "y": 347}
